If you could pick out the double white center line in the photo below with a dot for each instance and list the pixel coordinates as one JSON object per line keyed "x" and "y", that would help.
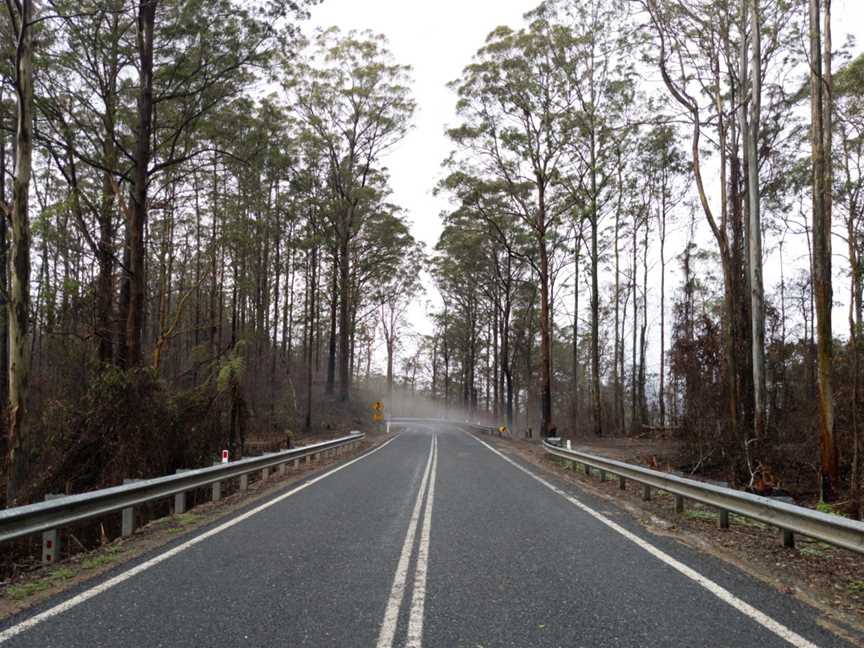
{"x": 397, "y": 592}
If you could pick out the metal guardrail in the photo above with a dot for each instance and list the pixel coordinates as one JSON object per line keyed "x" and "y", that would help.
{"x": 791, "y": 519}
{"x": 62, "y": 511}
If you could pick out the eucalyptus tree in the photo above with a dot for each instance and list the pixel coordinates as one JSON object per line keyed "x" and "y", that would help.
{"x": 456, "y": 268}
{"x": 80, "y": 98}
{"x": 397, "y": 263}
{"x": 22, "y": 24}
{"x": 514, "y": 103}
{"x": 849, "y": 189}
{"x": 665, "y": 166}
{"x": 700, "y": 55}
{"x": 596, "y": 57}
{"x": 504, "y": 248}
{"x": 821, "y": 117}
{"x": 355, "y": 99}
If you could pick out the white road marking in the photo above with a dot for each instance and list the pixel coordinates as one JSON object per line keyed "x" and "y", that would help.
{"x": 397, "y": 592}
{"x": 76, "y": 600}
{"x": 720, "y": 592}
{"x": 418, "y": 595}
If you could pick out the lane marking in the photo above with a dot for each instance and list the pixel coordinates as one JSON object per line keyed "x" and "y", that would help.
{"x": 418, "y": 595}
{"x": 397, "y": 592}
{"x": 76, "y": 600}
{"x": 720, "y": 592}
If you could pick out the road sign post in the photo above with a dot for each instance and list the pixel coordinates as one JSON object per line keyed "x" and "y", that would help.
{"x": 377, "y": 412}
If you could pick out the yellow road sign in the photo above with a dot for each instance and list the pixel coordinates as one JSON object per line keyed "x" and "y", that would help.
{"x": 377, "y": 417}
{"x": 377, "y": 406}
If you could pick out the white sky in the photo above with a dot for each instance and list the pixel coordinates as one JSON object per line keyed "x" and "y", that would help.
{"x": 438, "y": 39}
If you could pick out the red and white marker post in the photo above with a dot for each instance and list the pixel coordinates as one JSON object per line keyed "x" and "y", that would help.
{"x": 224, "y": 456}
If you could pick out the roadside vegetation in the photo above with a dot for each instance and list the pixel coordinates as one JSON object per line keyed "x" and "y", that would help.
{"x": 200, "y": 239}
{"x": 655, "y": 217}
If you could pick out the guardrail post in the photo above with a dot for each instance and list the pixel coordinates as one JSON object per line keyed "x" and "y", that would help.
{"x": 127, "y": 526}
{"x": 724, "y": 519}
{"x": 602, "y": 475}
{"x": 646, "y": 493}
{"x": 216, "y": 488}
{"x": 622, "y": 483}
{"x": 788, "y": 539}
{"x": 679, "y": 503}
{"x": 180, "y": 498}
{"x": 244, "y": 483}
{"x": 587, "y": 470}
{"x": 265, "y": 473}
{"x": 297, "y": 464}
{"x": 51, "y": 538}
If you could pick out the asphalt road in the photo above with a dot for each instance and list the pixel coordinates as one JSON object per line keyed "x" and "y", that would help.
{"x": 432, "y": 540}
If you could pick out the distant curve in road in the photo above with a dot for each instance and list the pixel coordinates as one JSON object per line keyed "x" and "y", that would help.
{"x": 435, "y": 539}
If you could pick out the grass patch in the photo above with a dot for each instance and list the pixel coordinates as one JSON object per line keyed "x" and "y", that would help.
{"x": 26, "y": 590}
{"x": 857, "y": 587}
{"x": 186, "y": 518}
{"x": 101, "y": 559}
{"x": 699, "y": 514}
{"x": 818, "y": 549}
{"x": 22, "y": 591}
{"x": 830, "y": 509}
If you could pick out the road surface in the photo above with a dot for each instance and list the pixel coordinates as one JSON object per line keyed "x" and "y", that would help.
{"x": 433, "y": 539}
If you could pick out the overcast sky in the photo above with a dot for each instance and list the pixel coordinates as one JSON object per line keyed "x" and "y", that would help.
{"x": 437, "y": 39}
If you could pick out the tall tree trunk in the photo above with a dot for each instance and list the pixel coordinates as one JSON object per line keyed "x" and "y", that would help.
{"x": 576, "y": 367}
{"x": 662, "y": 226}
{"x": 310, "y": 342}
{"x": 105, "y": 280}
{"x": 821, "y": 106}
{"x": 545, "y": 333}
{"x": 750, "y": 136}
{"x": 634, "y": 397}
{"x": 618, "y": 404}
{"x": 4, "y": 287}
{"x": 330, "y": 387}
{"x": 139, "y": 207}
{"x": 344, "y": 308}
{"x": 18, "y": 305}
{"x": 643, "y": 342}
{"x": 595, "y": 295}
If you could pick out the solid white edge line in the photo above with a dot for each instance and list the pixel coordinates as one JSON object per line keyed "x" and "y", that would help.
{"x": 720, "y": 592}
{"x": 76, "y": 600}
{"x": 418, "y": 594}
{"x": 397, "y": 591}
